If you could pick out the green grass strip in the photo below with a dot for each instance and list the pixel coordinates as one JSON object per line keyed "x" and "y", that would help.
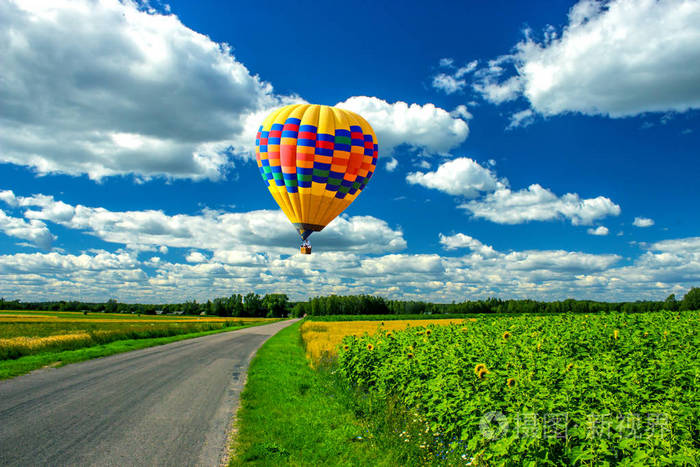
{"x": 293, "y": 415}
{"x": 22, "y": 365}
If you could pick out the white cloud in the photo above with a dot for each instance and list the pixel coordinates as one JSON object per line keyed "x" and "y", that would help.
{"x": 618, "y": 58}
{"x": 559, "y": 261}
{"x": 34, "y": 231}
{"x": 196, "y": 257}
{"x": 109, "y": 89}
{"x": 392, "y": 164}
{"x": 498, "y": 203}
{"x": 677, "y": 246}
{"x": 460, "y": 176}
{"x": 600, "y": 230}
{"x": 425, "y": 265}
{"x": 448, "y": 84}
{"x": 452, "y": 81}
{"x": 461, "y": 240}
{"x": 466, "y": 69}
{"x": 253, "y": 231}
{"x": 668, "y": 266}
{"x": 521, "y": 119}
{"x": 462, "y": 112}
{"x": 8, "y": 197}
{"x": 643, "y": 222}
{"x": 103, "y": 88}
{"x": 498, "y": 93}
{"x": 535, "y": 203}
{"x": 426, "y": 128}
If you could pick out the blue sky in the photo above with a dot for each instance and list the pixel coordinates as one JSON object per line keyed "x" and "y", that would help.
{"x": 540, "y": 150}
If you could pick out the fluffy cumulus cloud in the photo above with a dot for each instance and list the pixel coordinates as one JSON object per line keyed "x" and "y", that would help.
{"x": 224, "y": 252}
{"x": 254, "y": 231}
{"x": 195, "y": 257}
{"x": 391, "y": 164}
{"x": 601, "y": 230}
{"x": 669, "y": 265}
{"x": 32, "y": 230}
{"x": 651, "y": 61}
{"x": 460, "y": 176}
{"x": 496, "y": 202}
{"x": 536, "y": 203}
{"x": 643, "y": 222}
{"x": 469, "y": 269}
{"x": 460, "y": 240}
{"x": 426, "y": 128}
{"x": 105, "y": 88}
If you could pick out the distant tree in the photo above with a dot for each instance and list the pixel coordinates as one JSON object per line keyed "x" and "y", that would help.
{"x": 190, "y": 307}
{"x": 276, "y": 305}
{"x": 691, "y": 300}
{"x": 234, "y": 305}
{"x": 253, "y": 305}
{"x": 111, "y": 306}
{"x": 670, "y": 303}
{"x": 300, "y": 309}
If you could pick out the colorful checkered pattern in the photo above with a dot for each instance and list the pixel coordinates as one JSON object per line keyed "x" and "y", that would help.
{"x": 316, "y": 160}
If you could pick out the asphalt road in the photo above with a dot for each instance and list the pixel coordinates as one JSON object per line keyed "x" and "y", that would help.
{"x": 164, "y": 405}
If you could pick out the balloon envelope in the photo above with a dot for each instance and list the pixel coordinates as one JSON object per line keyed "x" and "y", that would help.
{"x": 315, "y": 160}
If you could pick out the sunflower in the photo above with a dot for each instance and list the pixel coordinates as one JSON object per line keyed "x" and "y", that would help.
{"x": 483, "y": 372}
{"x": 569, "y": 366}
{"x": 510, "y": 382}
{"x": 428, "y": 332}
{"x": 616, "y": 334}
{"x": 646, "y": 333}
{"x": 409, "y": 356}
{"x": 346, "y": 347}
{"x": 506, "y": 335}
{"x": 539, "y": 344}
{"x": 370, "y": 347}
{"x": 479, "y": 367}
{"x": 388, "y": 334}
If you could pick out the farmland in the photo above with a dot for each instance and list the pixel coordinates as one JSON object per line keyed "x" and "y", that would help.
{"x": 566, "y": 389}
{"x": 322, "y": 339}
{"x": 24, "y": 334}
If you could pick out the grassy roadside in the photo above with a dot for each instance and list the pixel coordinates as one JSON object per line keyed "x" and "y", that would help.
{"x": 293, "y": 415}
{"x": 22, "y": 365}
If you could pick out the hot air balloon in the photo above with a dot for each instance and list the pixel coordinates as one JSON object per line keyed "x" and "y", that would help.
{"x": 315, "y": 160}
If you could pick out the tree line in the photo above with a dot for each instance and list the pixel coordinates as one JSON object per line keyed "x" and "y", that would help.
{"x": 370, "y": 305}
{"x": 279, "y": 305}
{"x": 237, "y": 305}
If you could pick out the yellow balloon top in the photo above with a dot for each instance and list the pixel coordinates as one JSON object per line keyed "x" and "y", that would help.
{"x": 315, "y": 160}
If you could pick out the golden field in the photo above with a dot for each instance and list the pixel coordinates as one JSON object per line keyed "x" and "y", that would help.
{"x": 10, "y": 316}
{"x": 321, "y": 338}
{"x": 27, "y": 333}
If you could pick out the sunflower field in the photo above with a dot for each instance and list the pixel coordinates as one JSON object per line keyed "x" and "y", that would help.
{"x": 604, "y": 389}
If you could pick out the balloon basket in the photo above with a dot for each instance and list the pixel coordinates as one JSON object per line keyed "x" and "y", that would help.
{"x": 305, "y": 250}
